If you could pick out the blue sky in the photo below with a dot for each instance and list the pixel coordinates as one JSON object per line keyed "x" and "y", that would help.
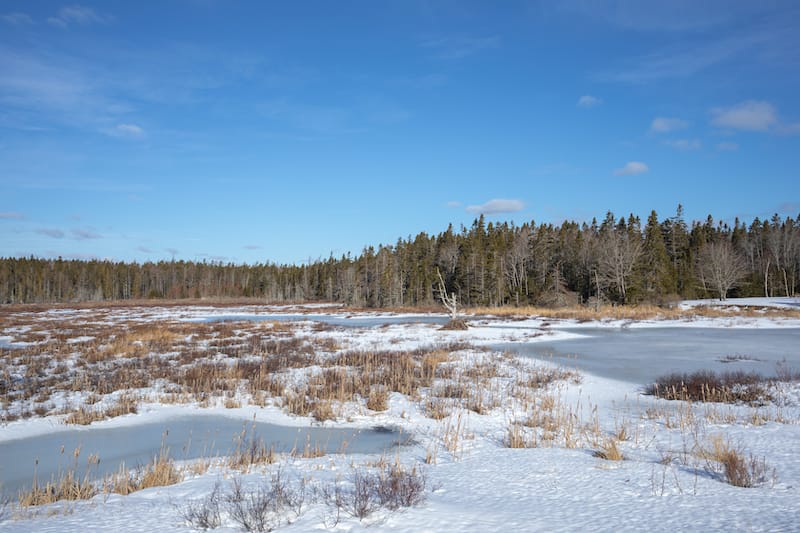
{"x": 286, "y": 131}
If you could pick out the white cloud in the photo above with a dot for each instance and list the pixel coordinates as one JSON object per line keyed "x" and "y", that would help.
{"x": 128, "y": 131}
{"x": 11, "y": 215}
{"x": 727, "y": 147}
{"x": 666, "y": 124}
{"x": 588, "y": 100}
{"x": 497, "y": 206}
{"x": 77, "y": 15}
{"x": 631, "y": 169}
{"x": 685, "y": 144}
{"x": 751, "y": 115}
{"x": 17, "y": 19}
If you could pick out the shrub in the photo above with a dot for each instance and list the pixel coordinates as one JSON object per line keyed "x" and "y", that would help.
{"x": 265, "y": 508}
{"x": 206, "y": 513}
{"x": 392, "y": 487}
{"x": 708, "y": 386}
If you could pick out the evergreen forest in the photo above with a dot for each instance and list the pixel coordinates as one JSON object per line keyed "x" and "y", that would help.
{"x": 617, "y": 260}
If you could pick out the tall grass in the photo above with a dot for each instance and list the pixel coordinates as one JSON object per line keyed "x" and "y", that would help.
{"x": 66, "y": 485}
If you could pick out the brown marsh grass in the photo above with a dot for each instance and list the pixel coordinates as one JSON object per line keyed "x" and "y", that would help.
{"x": 635, "y": 312}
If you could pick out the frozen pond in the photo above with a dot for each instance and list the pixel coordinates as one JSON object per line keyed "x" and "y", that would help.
{"x": 354, "y": 321}
{"x": 641, "y": 355}
{"x": 186, "y": 437}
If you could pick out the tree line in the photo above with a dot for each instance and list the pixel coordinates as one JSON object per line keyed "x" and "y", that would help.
{"x": 617, "y": 260}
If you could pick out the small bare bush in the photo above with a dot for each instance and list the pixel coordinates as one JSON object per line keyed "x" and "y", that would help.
{"x": 268, "y": 506}
{"x": 254, "y": 511}
{"x": 391, "y": 487}
{"x": 5, "y": 504}
{"x": 205, "y": 514}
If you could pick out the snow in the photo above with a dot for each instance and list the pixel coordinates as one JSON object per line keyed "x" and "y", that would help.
{"x": 776, "y": 301}
{"x": 480, "y": 485}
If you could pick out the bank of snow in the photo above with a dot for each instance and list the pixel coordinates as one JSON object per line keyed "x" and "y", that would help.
{"x": 480, "y": 485}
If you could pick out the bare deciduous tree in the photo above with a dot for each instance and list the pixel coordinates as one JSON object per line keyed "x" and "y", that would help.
{"x": 720, "y": 266}
{"x": 618, "y": 252}
{"x": 515, "y": 263}
{"x": 449, "y": 300}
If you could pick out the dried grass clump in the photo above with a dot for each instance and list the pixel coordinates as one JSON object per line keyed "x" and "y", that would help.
{"x": 125, "y": 405}
{"x": 378, "y": 399}
{"x": 250, "y": 451}
{"x": 735, "y": 466}
{"x": 518, "y": 437}
{"x": 159, "y": 472}
{"x": 609, "y": 451}
{"x": 456, "y": 324}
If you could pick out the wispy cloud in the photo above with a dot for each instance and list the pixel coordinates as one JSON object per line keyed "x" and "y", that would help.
{"x": 789, "y": 207}
{"x": 424, "y": 81}
{"x": 145, "y": 250}
{"x": 751, "y": 115}
{"x": 253, "y": 247}
{"x": 667, "y": 124}
{"x": 126, "y": 131}
{"x": 497, "y": 206}
{"x": 85, "y": 234}
{"x": 51, "y": 232}
{"x": 685, "y": 144}
{"x": 588, "y": 101}
{"x": 673, "y": 16}
{"x": 460, "y": 47}
{"x": 769, "y": 40}
{"x": 676, "y": 61}
{"x": 80, "y": 15}
{"x": 631, "y": 169}
{"x": 727, "y": 146}
{"x": 11, "y": 215}
{"x": 318, "y": 119}
{"x": 40, "y": 89}
{"x": 17, "y": 19}
{"x": 454, "y": 204}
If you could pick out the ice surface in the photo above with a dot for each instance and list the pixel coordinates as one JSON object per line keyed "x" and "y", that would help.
{"x": 185, "y": 437}
{"x": 640, "y": 355}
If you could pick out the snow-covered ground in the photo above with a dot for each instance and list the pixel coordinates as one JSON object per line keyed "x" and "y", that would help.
{"x": 474, "y": 482}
